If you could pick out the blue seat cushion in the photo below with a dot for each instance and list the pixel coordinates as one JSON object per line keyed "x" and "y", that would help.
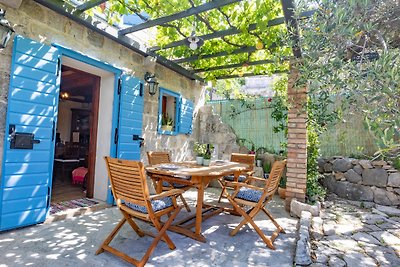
{"x": 157, "y": 205}
{"x": 249, "y": 194}
{"x": 231, "y": 178}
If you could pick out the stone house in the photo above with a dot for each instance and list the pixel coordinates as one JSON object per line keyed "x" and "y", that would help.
{"x": 65, "y": 85}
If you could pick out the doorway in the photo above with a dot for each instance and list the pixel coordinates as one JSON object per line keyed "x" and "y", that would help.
{"x": 76, "y": 135}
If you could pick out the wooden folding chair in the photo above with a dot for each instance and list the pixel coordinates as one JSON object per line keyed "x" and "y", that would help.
{"x": 242, "y": 178}
{"x": 129, "y": 187}
{"x": 249, "y": 200}
{"x": 159, "y": 157}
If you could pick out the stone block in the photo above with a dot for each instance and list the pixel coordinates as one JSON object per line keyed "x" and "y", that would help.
{"x": 390, "y": 211}
{"x": 375, "y": 177}
{"x": 352, "y": 176}
{"x": 366, "y": 164}
{"x": 336, "y": 262}
{"x": 394, "y": 179}
{"x": 342, "y": 165}
{"x": 296, "y": 207}
{"x": 316, "y": 229}
{"x": 328, "y": 167}
{"x": 329, "y": 182}
{"x": 339, "y": 176}
{"x": 358, "y": 169}
{"x": 378, "y": 163}
{"x": 384, "y": 197}
{"x": 303, "y": 254}
{"x": 12, "y": 3}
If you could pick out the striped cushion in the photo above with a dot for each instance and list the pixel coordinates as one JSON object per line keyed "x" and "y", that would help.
{"x": 157, "y": 205}
{"x": 249, "y": 194}
{"x": 231, "y": 177}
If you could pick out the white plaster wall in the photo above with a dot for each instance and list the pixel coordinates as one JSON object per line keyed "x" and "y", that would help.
{"x": 104, "y": 123}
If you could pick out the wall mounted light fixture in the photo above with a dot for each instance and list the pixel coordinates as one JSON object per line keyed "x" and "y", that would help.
{"x": 151, "y": 83}
{"x": 5, "y": 29}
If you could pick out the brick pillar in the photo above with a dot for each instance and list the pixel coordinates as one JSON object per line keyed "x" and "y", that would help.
{"x": 297, "y": 141}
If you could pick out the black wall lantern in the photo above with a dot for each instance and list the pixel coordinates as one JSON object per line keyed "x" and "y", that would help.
{"x": 5, "y": 29}
{"x": 151, "y": 83}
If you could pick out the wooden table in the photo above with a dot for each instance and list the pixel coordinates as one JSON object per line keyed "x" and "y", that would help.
{"x": 201, "y": 176}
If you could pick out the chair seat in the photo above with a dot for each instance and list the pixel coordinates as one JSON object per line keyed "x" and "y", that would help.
{"x": 249, "y": 194}
{"x": 241, "y": 178}
{"x": 157, "y": 205}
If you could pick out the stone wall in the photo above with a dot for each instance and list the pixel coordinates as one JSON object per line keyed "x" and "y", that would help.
{"x": 212, "y": 130}
{"x": 34, "y": 21}
{"x": 362, "y": 180}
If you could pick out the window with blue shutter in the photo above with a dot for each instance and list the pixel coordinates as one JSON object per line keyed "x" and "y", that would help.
{"x": 175, "y": 113}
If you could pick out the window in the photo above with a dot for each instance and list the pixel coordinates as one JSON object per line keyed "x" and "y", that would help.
{"x": 174, "y": 113}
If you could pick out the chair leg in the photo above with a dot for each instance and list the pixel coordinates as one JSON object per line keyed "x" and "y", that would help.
{"x": 161, "y": 234}
{"x": 248, "y": 218}
{"x": 223, "y": 191}
{"x": 134, "y": 226}
{"x": 111, "y": 236}
{"x": 280, "y": 228}
{"x": 184, "y": 203}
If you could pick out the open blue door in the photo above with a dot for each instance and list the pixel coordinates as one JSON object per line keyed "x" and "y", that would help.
{"x": 130, "y": 119}
{"x": 29, "y": 138}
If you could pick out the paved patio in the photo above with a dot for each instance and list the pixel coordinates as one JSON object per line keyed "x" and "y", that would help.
{"x": 73, "y": 242}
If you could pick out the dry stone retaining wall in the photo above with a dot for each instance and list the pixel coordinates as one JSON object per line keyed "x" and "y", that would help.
{"x": 361, "y": 180}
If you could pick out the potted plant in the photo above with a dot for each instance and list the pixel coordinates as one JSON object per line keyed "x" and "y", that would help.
{"x": 166, "y": 122}
{"x": 200, "y": 150}
{"x": 282, "y": 188}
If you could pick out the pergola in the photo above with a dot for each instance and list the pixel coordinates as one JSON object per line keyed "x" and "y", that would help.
{"x": 297, "y": 134}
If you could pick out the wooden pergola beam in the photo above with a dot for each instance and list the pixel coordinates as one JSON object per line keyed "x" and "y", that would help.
{"x": 90, "y": 4}
{"x": 246, "y": 49}
{"x": 250, "y": 74}
{"x": 183, "y": 14}
{"x": 230, "y": 31}
{"x": 237, "y": 65}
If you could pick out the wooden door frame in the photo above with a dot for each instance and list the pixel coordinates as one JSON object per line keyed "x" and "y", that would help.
{"x": 94, "y": 116}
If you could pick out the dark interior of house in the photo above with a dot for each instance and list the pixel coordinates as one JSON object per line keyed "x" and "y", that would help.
{"x": 72, "y": 135}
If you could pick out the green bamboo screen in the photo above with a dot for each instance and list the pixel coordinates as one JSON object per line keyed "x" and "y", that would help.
{"x": 255, "y": 125}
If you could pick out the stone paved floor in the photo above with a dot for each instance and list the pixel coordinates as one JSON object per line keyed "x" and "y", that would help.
{"x": 352, "y": 234}
{"x": 73, "y": 242}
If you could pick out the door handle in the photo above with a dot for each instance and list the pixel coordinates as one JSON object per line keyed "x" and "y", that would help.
{"x": 136, "y": 137}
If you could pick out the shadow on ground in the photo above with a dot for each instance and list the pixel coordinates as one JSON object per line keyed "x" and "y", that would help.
{"x": 73, "y": 242}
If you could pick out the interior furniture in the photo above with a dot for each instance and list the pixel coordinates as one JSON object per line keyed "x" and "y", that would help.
{"x": 201, "y": 176}
{"x": 249, "y": 200}
{"x": 248, "y": 159}
{"x": 159, "y": 157}
{"x": 129, "y": 187}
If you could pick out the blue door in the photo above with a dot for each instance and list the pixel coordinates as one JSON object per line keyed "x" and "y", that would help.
{"x": 29, "y": 137}
{"x": 130, "y": 119}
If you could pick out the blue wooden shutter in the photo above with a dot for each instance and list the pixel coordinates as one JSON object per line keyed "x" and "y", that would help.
{"x": 32, "y": 109}
{"x": 185, "y": 116}
{"x": 130, "y": 118}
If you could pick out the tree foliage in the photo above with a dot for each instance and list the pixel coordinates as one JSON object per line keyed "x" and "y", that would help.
{"x": 351, "y": 52}
{"x": 267, "y": 40}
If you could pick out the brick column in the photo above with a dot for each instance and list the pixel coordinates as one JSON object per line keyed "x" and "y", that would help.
{"x": 297, "y": 141}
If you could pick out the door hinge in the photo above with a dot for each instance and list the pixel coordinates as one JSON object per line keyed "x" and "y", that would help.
{"x": 119, "y": 86}
{"x": 116, "y": 136}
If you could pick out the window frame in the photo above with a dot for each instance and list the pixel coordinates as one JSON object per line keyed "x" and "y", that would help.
{"x": 177, "y": 96}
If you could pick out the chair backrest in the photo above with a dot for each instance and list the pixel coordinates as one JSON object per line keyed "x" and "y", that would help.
{"x": 275, "y": 176}
{"x": 158, "y": 157}
{"x": 245, "y": 159}
{"x": 128, "y": 181}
